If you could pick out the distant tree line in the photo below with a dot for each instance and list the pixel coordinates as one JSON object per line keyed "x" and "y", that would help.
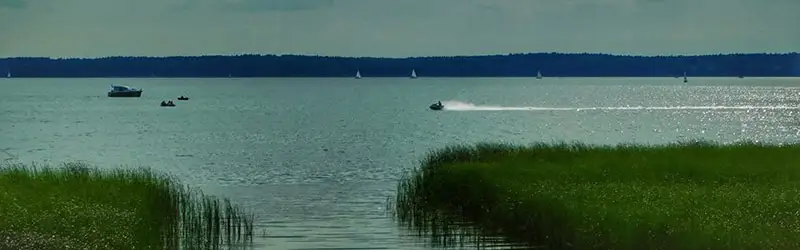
{"x": 511, "y": 65}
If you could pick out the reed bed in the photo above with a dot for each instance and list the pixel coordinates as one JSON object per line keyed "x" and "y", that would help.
{"x": 688, "y": 195}
{"x": 73, "y": 206}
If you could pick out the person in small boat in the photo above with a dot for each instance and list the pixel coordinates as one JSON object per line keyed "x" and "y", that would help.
{"x": 439, "y": 103}
{"x": 163, "y": 103}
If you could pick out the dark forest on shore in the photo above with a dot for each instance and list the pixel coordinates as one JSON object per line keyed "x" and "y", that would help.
{"x": 511, "y": 65}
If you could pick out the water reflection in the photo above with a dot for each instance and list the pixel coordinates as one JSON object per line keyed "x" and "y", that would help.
{"x": 443, "y": 230}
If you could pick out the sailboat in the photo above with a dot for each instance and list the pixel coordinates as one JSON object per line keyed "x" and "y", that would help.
{"x": 413, "y": 74}
{"x": 8, "y": 75}
{"x": 684, "y": 77}
{"x": 358, "y": 74}
{"x": 538, "y": 74}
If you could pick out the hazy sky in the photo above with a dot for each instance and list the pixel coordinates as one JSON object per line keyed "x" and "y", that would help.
{"x": 397, "y": 28}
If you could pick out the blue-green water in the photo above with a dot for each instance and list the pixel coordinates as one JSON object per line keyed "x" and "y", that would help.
{"x": 317, "y": 158}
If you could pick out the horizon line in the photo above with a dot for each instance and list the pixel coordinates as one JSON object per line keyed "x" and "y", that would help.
{"x": 412, "y": 57}
{"x": 350, "y": 77}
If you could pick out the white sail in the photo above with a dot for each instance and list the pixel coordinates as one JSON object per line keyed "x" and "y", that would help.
{"x": 413, "y": 74}
{"x": 358, "y": 74}
{"x": 538, "y": 75}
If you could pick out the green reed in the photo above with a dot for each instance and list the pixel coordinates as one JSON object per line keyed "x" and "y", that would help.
{"x": 689, "y": 195}
{"x": 75, "y": 206}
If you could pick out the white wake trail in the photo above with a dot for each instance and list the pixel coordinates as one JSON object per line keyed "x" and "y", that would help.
{"x": 465, "y": 106}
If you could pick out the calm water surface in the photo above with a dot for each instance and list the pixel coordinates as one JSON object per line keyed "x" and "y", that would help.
{"x": 317, "y": 158}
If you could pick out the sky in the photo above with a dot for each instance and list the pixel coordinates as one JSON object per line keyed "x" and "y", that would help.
{"x": 395, "y": 28}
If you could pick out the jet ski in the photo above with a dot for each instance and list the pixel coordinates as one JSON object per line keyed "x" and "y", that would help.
{"x": 437, "y": 106}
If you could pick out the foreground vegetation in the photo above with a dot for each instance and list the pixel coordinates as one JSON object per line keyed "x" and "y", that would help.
{"x": 573, "y": 196}
{"x": 76, "y": 207}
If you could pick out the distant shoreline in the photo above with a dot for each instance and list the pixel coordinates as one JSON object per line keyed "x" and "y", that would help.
{"x": 411, "y": 57}
{"x": 511, "y": 65}
{"x": 402, "y": 77}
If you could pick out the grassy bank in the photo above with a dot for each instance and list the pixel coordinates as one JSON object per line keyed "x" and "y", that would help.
{"x": 77, "y": 207}
{"x": 572, "y": 196}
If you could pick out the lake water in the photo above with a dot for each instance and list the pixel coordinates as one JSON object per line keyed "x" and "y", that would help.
{"x": 316, "y": 159}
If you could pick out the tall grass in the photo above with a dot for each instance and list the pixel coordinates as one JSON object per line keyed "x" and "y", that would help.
{"x": 76, "y": 207}
{"x": 693, "y": 195}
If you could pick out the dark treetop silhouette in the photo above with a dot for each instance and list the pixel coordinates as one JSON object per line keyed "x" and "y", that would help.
{"x": 511, "y": 65}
